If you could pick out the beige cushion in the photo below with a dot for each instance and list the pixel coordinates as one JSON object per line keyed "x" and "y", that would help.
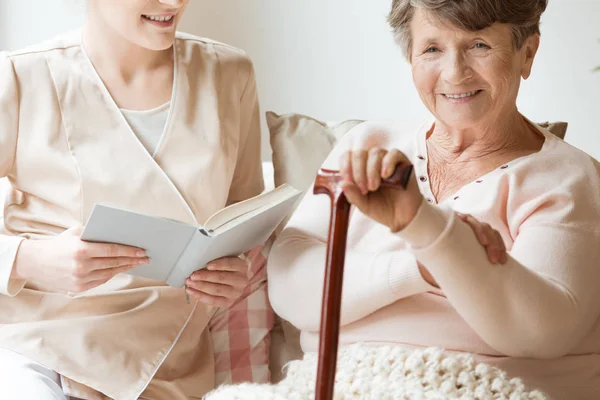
{"x": 300, "y": 144}
{"x": 558, "y": 128}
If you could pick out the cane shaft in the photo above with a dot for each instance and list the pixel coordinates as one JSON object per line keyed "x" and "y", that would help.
{"x": 328, "y": 182}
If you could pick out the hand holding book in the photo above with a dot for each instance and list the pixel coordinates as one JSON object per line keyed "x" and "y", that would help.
{"x": 220, "y": 284}
{"x": 178, "y": 250}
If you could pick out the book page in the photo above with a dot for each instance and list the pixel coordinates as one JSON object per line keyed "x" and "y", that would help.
{"x": 231, "y": 242}
{"x": 254, "y": 205}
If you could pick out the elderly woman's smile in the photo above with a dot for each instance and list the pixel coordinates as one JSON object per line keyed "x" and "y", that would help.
{"x": 461, "y": 97}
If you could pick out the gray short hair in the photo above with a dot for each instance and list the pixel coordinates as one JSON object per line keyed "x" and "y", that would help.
{"x": 469, "y": 15}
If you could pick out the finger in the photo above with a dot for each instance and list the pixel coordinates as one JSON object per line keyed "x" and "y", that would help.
{"x": 116, "y": 262}
{"x": 499, "y": 240}
{"x": 502, "y": 256}
{"x": 495, "y": 246}
{"x": 109, "y": 273}
{"x": 374, "y": 161}
{"x": 390, "y": 161}
{"x": 207, "y": 299}
{"x": 487, "y": 233}
{"x": 346, "y": 166}
{"x": 109, "y": 250}
{"x": 354, "y": 195}
{"x": 234, "y": 279}
{"x": 73, "y": 231}
{"x": 359, "y": 169}
{"x": 215, "y": 289}
{"x": 478, "y": 229}
{"x": 84, "y": 287}
{"x": 233, "y": 264}
{"x": 492, "y": 254}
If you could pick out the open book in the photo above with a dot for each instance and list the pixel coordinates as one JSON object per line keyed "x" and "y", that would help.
{"x": 177, "y": 249}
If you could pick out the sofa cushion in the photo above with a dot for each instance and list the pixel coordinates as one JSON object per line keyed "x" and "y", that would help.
{"x": 300, "y": 144}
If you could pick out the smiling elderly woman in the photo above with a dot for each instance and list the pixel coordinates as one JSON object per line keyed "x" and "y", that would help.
{"x": 416, "y": 274}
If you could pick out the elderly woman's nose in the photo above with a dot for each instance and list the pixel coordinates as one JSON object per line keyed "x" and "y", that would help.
{"x": 456, "y": 68}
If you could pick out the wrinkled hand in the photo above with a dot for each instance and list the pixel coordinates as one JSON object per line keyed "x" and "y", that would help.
{"x": 68, "y": 264}
{"x": 362, "y": 171}
{"x": 220, "y": 284}
{"x": 487, "y": 236}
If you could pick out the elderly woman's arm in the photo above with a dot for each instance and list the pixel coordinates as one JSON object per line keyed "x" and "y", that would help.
{"x": 296, "y": 263}
{"x": 372, "y": 279}
{"x": 541, "y": 303}
{"x": 296, "y": 268}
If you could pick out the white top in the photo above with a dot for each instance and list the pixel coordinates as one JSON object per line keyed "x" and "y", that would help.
{"x": 148, "y": 125}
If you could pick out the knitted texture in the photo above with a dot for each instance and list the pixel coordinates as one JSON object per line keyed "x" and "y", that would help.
{"x": 389, "y": 372}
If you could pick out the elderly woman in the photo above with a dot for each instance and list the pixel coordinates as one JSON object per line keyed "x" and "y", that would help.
{"x": 130, "y": 112}
{"x": 416, "y": 274}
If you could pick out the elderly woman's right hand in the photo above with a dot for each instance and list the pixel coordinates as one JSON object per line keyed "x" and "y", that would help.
{"x": 68, "y": 264}
{"x": 362, "y": 171}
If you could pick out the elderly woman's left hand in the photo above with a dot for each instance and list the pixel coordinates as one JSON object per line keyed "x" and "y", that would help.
{"x": 362, "y": 171}
{"x": 220, "y": 284}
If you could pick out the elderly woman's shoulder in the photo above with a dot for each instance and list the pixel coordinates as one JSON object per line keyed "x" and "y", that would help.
{"x": 563, "y": 165}
{"x": 566, "y": 157}
{"x": 559, "y": 184}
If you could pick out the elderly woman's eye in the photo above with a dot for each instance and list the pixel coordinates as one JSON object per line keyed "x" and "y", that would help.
{"x": 432, "y": 49}
{"x": 482, "y": 46}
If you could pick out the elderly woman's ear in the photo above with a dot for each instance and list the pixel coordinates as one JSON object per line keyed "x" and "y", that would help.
{"x": 529, "y": 50}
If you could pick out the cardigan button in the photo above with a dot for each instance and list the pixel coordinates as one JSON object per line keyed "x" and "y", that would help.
{"x": 423, "y": 178}
{"x": 478, "y": 181}
{"x": 421, "y": 158}
{"x": 504, "y": 167}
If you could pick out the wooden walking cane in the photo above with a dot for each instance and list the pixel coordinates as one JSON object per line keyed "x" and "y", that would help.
{"x": 328, "y": 182}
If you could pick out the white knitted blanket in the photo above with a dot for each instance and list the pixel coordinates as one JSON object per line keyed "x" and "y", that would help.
{"x": 389, "y": 372}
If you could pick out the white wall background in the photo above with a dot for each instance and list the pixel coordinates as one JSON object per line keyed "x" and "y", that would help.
{"x": 25, "y": 22}
{"x": 335, "y": 59}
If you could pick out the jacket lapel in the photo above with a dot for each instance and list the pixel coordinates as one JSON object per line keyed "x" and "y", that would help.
{"x": 197, "y": 153}
{"x": 113, "y": 165}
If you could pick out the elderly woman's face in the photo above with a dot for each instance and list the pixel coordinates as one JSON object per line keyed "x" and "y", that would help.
{"x": 147, "y": 23}
{"x": 467, "y": 78}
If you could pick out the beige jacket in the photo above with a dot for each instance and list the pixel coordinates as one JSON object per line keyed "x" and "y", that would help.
{"x": 64, "y": 145}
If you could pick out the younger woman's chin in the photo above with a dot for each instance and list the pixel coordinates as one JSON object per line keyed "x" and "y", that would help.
{"x": 157, "y": 45}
